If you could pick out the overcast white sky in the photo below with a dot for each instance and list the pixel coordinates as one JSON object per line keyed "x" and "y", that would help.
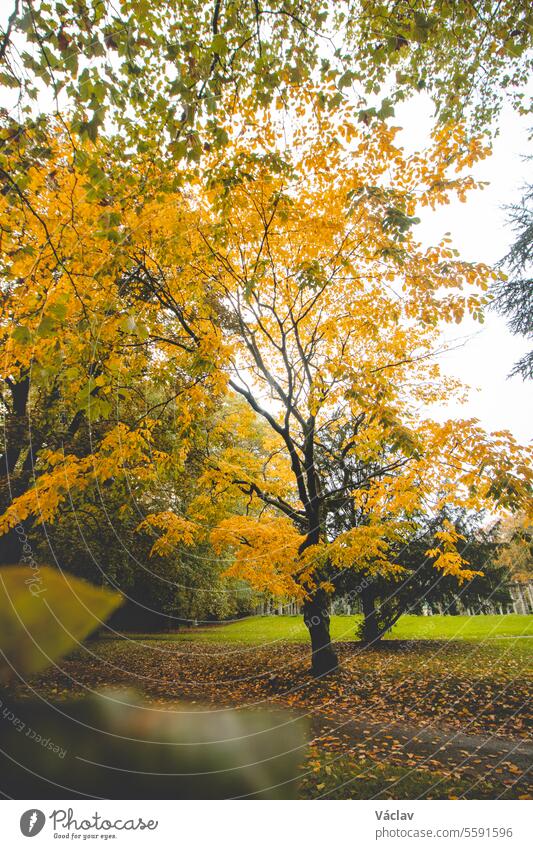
{"x": 480, "y": 232}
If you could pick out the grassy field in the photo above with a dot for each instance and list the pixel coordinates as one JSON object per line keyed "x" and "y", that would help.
{"x": 258, "y": 630}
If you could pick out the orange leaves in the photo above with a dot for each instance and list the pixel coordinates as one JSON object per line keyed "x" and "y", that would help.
{"x": 265, "y": 552}
{"x": 307, "y": 258}
{"x": 123, "y": 454}
{"x": 288, "y": 272}
{"x": 446, "y": 557}
{"x": 175, "y": 530}
{"x": 366, "y": 548}
{"x": 50, "y": 493}
{"x": 477, "y": 469}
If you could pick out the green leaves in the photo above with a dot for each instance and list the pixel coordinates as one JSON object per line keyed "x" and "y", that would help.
{"x": 398, "y": 222}
{"x": 47, "y": 326}
{"x": 21, "y": 334}
{"x": 219, "y": 45}
{"x": 9, "y": 80}
{"x": 346, "y": 79}
{"x": 150, "y": 72}
{"x": 386, "y": 110}
{"x": 44, "y": 614}
{"x": 130, "y": 324}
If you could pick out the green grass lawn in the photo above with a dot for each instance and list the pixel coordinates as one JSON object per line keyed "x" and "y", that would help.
{"x": 258, "y": 630}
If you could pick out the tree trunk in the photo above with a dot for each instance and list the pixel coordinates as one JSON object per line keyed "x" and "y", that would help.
{"x": 11, "y": 548}
{"x": 316, "y": 617}
{"x": 17, "y": 477}
{"x": 15, "y": 443}
{"x": 371, "y": 631}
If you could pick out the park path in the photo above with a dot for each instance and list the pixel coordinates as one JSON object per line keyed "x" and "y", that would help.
{"x": 480, "y": 753}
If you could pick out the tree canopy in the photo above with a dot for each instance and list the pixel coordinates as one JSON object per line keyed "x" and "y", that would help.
{"x": 216, "y": 315}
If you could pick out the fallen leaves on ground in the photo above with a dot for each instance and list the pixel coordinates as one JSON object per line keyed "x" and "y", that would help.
{"x": 362, "y": 715}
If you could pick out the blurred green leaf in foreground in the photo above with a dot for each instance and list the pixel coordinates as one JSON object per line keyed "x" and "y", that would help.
{"x": 44, "y": 614}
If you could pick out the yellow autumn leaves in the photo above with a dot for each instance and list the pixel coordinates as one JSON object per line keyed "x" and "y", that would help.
{"x": 288, "y": 273}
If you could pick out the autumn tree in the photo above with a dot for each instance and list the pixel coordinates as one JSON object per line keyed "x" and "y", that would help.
{"x": 516, "y": 547}
{"x": 291, "y": 279}
{"x": 324, "y": 309}
{"x": 100, "y": 533}
{"x": 73, "y": 358}
{"x": 100, "y": 429}
{"x": 419, "y": 586}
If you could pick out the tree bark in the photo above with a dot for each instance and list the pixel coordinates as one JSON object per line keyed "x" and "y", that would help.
{"x": 10, "y": 548}
{"x": 371, "y": 632}
{"x": 16, "y": 477}
{"x": 16, "y": 441}
{"x": 316, "y": 617}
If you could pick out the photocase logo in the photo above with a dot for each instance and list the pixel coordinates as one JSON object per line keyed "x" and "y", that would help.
{"x": 32, "y": 822}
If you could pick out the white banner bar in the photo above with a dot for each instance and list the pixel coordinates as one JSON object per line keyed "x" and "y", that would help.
{"x": 267, "y": 824}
